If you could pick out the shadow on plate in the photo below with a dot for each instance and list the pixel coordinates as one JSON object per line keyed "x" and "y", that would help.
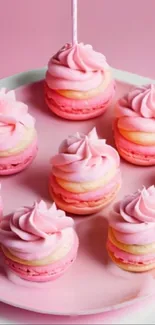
{"x": 36, "y": 179}
{"x": 105, "y": 121}
{"x": 92, "y": 233}
{"x": 36, "y": 97}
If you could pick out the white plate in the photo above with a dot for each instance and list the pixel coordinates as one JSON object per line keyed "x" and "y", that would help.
{"x": 93, "y": 284}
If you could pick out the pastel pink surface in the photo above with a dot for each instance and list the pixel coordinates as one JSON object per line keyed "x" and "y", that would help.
{"x": 76, "y": 291}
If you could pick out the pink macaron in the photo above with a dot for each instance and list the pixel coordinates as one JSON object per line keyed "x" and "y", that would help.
{"x": 134, "y": 153}
{"x": 18, "y": 137}
{"x": 47, "y": 272}
{"x": 131, "y": 235}
{"x": 38, "y": 243}
{"x": 134, "y": 126}
{"x": 78, "y": 83}
{"x": 85, "y": 175}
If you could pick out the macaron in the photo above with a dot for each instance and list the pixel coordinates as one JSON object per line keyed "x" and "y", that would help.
{"x": 131, "y": 235}
{"x": 85, "y": 174}
{"x": 78, "y": 83}
{"x": 38, "y": 243}
{"x": 134, "y": 126}
{"x": 18, "y": 136}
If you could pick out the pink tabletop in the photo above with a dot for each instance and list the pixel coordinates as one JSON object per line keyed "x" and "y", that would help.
{"x": 31, "y": 30}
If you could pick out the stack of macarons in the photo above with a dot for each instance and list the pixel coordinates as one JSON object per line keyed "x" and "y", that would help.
{"x": 38, "y": 243}
{"x": 78, "y": 83}
{"x": 85, "y": 174}
{"x": 18, "y": 137}
{"x": 134, "y": 128}
{"x": 131, "y": 237}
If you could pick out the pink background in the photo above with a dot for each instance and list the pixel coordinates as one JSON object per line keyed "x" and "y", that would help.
{"x": 32, "y": 30}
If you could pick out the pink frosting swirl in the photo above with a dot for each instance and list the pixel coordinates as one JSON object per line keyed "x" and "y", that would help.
{"x": 84, "y": 158}
{"x": 34, "y": 232}
{"x": 137, "y": 106}
{"x": 133, "y": 219}
{"x": 14, "y": 119}
{"x": 76, "y": 67}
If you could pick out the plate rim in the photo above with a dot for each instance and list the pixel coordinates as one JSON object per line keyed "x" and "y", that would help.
{"x": 30, "y": 76}
{"x": 86, "y": 312}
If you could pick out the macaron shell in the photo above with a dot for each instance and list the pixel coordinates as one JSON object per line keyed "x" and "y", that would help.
{"x": 133, "y": 249}
{"x": 87, "y": 109}
{"x": 85, "y": 187}
{"x": 75, "y": 94}
{"x": 95, "y": 195}
{"x": 125, "y": 257}
{"x": 134, "y": 153}
{"x": 142, "y": 138}
{"x": 94, "y": 112}
{"x": 85, "y": 210}
{"x": 45, "y": 273}
{"x": 139, "y": 160}
{"x": 16, "y": 163}
{"x": 79, "y": 104}
{"x": 131, "y": 267}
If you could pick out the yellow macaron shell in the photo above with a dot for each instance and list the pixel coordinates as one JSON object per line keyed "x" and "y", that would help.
{"x": 89, "y": 208}
{"x": 86, "y": 186}
{"x": 74, "y": 94}
{"x": 62, "y": 251}
{"x": 141, "y": 138}
{"x": 133, "y": 249}
{"x": 131, "y": 267}
{"x": 30, "y": 134}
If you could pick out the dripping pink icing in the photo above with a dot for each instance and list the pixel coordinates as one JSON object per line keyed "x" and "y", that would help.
{"x": 133, "y": 219}
{"x": 84, "y": 158}
{"x": 14, "y": 119}
{"x": 76, "y": 67}
{"x": 136, "y": 110}
{"x": 35, "y": 232}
